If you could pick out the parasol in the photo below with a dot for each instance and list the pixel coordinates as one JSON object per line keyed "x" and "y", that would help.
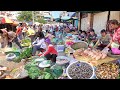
{"x": 65, "y": 18}
{"x": 6, "y": 20}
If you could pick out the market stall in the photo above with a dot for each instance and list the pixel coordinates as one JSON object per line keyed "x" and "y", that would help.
{"x": 91, "y": 60}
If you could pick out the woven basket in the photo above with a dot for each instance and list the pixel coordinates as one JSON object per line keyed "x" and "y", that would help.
{"x": 79, "y": 45}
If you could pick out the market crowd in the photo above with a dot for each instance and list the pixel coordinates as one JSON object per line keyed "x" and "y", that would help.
{"x": 43, "y": 37}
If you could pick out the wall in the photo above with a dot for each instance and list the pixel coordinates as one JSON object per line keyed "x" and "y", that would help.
{"x": 99, "y": 21}
{"x": 115, "y": 15}
{"x": 84, "y": 23}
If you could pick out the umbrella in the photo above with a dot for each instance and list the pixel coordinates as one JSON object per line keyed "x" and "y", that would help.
{"x": 6, "y": 20}
{"x": 65, "y": 18}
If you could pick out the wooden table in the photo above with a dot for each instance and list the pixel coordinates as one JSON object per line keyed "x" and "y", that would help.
{"x": 93, "y": 61}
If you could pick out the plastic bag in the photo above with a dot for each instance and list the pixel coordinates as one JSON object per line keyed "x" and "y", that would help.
{"x": 105, "y": 50}
{"x": 10, "y": 56}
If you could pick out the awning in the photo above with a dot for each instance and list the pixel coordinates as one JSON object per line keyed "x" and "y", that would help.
{"x": 71, "y": 14}
{"x": 6, "y": 20}
{"x": 15, "y": 23}
{"x": 47, "y": 16}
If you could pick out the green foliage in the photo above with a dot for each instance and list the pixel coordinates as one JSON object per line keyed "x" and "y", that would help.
{"x": 40, "y": 20}
{"x": 34, "y": 72}
{"x": 25, "y": 16}
{"x": 25, "y": 54}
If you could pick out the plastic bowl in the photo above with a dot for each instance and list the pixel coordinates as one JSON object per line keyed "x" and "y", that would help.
{"x": 62, "y": 57}
{"x": 83, "y": 62}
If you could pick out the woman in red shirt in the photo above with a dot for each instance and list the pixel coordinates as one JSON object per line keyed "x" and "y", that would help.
{"x": 115, "y": 42}
{"x": 50, "y": 52}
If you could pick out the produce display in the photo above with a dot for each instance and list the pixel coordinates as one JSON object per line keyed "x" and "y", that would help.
{"x": 37, "y": 73}
{"x": 18, "y": 73}
{"x": 3, "y": 72}
{"x": 34, "y": 72}
{"x": 62, "y": 60}
{"x": 107, "y": 71}
{"x": 26, "y": 42}
{"x": 80, "y": 70}
{"x": 25, "y": 54}
{"x": 10, "y": 56}
{"x": 94, "y": 54}
{"x": 69, "y": 42}
{"x": 79, "y": 45}
{"x": 68, "y": 50}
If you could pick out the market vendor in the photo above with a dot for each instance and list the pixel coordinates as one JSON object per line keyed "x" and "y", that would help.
{"x": 4, "y": 37}
{"x": 19, "y": 31}
{"x": 49, "y": 35}
{"x": 92, "y": 38}
{"x": 50, "y": 52}
{"x": 103, "y": 41}
{"x": 39, "y": 44}
{"x": 8, "y": 38}
{"x": 31, "y": 33}
{"x": 115, "y": 42}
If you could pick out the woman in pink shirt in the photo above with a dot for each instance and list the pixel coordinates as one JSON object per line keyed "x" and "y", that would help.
{"x": 115, "y": 42}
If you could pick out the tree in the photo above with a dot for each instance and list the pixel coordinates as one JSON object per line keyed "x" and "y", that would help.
{"x": 25, "y": 16}
{"x": 40, "y": 20}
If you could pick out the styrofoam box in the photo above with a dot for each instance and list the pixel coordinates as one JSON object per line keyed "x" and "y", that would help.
{"x": 60, "y": 48}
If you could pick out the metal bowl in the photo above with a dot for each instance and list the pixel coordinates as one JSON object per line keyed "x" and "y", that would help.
{"x": 67, "y": 70}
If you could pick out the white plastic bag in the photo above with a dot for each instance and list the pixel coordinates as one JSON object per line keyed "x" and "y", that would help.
{"x": 10, "y": 56}
{"x": 105, "y": 50}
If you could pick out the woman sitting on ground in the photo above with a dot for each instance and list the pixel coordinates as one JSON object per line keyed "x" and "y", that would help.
{"x": 92, "y": 38}
{"x": 83, "y": 36}
{"x": 39, "y": 44}
{"x": 50, "y": 52}
{"x": 103, "y": 41}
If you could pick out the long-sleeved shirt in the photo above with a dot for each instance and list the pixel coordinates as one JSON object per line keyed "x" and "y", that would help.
{"x": 40, "y": 42}
{"x": 50, "y": 50}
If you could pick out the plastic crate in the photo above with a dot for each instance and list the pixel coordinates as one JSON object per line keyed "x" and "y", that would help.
{"x": 60, "y": 48}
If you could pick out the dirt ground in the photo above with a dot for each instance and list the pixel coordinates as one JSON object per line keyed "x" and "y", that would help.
{"x": 9, "y": 64}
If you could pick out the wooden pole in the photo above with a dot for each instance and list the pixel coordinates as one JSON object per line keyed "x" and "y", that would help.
{"x": 79, "y": 21}
{"x": 91, "y": 20}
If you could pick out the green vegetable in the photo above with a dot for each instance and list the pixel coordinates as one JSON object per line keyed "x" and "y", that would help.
{"x": 25, "y": 54}
{"x": 33, "y": 63}
{"x": 47, "y": 76}
{"x": 34, "y": 72}
{"x": 57, "y": 71}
